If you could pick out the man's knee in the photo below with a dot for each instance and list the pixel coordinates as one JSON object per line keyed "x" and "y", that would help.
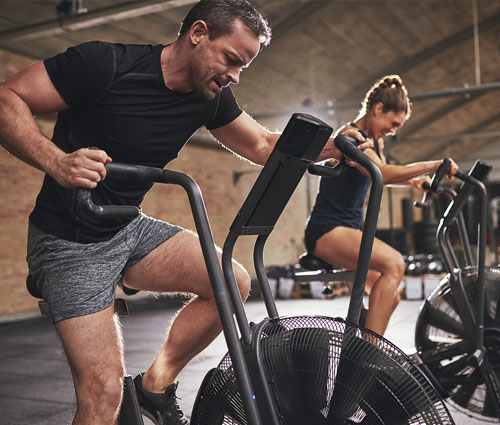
{"x": 100, "y": 391}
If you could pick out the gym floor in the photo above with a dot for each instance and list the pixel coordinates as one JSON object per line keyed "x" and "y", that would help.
{"x": 36, "y": 383}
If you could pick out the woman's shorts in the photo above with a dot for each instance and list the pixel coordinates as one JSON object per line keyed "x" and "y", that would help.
{"x": 77, "y": 279}
{"x": 313, "y": 233}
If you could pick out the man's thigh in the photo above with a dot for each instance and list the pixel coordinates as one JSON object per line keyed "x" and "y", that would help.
{"x": 93, "y": 346}
{"x": 177, "y": 265}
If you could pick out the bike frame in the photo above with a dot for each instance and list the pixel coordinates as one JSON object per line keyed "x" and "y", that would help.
{"x": 472, "y": 316}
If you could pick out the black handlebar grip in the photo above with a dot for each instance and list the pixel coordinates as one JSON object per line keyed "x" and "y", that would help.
{"x": 461, "y": 175}
{"x": 364, "y": 134}
{"x": 133, "y": 172}
{"x": 348, "y": 146}
{"x": 326, "y": 170}
{"x": 444, "y": 168}
{"x": 84, "y": 200}
{"x": 137, "y": 172}
{"x": 335, "y": 171}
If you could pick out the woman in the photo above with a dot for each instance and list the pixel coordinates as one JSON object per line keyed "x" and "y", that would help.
{"x": 333, "y": 231}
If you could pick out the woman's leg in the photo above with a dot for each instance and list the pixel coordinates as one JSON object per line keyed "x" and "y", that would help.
{"x": 340, "y": 247}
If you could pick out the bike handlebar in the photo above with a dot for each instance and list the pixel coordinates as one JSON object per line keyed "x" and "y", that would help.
{"x": 347, "y": 145}
{"x": 444, "y": 168}
{"x": 137, "y": 172}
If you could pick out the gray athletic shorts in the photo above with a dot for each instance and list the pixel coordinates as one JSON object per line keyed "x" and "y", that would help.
{"x": 78, "y": 279}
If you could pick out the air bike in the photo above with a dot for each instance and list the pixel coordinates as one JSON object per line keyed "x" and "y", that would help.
{"x": 458, "y": 328}
{"x": 294, "y": 370}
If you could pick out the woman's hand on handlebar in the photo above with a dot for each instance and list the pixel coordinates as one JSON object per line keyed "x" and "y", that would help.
{"x": 365, "y": 143}
{"x": 330, "y": 151}
{"x": 81, "y": 168}
{"x": 453, "y": 169}
{"x": 419, "y": 182}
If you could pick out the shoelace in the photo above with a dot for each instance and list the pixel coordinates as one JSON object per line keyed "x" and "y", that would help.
{"x": 171, "y": 402}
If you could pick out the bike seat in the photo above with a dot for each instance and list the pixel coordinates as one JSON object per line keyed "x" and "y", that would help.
{"x": 310, "y": 262}
{"x": 32, "y": 288}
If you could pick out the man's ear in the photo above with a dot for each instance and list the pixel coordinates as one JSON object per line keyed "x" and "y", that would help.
{"x": 198, "y": 32}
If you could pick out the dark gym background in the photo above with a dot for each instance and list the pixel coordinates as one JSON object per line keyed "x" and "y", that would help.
{"x": 323, "y": 58}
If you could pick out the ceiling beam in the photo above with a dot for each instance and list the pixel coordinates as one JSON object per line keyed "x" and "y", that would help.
{"x": 451, "y": 137}
{"x": 102, "y": 16}
{"x": 469, "y": 92}
{"x": 292, "y": 23}
{"x": 476, "y": 129}
{"x": 449, "y": 107}
{"x": 400, "y": 66}
{"x": 465, "y": 90}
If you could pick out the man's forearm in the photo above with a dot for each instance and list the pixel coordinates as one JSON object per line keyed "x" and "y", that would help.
{"x": 20, "y": 134}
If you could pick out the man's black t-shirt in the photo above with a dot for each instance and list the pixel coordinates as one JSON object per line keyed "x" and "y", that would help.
{"x": 118, "y": 102}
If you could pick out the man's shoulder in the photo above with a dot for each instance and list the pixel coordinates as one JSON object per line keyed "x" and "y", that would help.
{"x": 104, "y": 48}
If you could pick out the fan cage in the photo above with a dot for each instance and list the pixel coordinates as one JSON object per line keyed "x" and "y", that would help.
{"x": 440, "y": 326}
{"x": 323, "y": 371}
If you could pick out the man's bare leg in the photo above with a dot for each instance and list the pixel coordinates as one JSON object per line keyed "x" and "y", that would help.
{"x": 178, "y": 266}
{"x": 93, "y": 346}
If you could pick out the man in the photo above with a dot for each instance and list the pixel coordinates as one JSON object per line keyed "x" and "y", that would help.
{"x": 137, "y": 104}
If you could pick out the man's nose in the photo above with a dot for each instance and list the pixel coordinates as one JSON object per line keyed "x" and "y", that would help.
{"x": 234, "y": 75}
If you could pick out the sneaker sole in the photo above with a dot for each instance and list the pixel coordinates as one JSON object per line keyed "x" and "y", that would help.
{"x": 152, "y": 418}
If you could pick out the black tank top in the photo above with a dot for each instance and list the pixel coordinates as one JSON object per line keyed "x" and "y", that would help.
{"x": 339, "y": 201}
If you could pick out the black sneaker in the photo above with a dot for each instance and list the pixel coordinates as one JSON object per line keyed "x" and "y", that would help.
{"x": 162, "y": 409}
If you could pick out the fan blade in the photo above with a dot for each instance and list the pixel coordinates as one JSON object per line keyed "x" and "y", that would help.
{"x": 443, "y": 321}
{"x": 491, "y": 405}
{"x": 454, "y": 367}
{"x": 463, "y": 395}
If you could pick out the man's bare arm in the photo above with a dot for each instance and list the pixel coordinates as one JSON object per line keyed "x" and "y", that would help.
{"x": 31, "y": 92}
{"x": 249, "y": 139}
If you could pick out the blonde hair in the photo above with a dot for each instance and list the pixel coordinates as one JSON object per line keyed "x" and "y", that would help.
{"x": 389, "y": 91}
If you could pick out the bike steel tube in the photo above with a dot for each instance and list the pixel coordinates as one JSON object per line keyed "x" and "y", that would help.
{"x": 370, "y": 226}
{"x": 258, "y": 255}
{"x": 451, "y": 251}
{"x": 445, "y": 251}
{"x": 453, "y": 266}
{"x": 219, "y": 289}
{"x": 232, "y": 287}
{"x": 462, "y": 230}
{"x": 464, "y": 239}
{"x": 445, "y": 243}
{"x": 443, "y": 240}
{"x": 365, "y": 251}
{"x": 481, "y": 246}
{"x": 481, "y": 260}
